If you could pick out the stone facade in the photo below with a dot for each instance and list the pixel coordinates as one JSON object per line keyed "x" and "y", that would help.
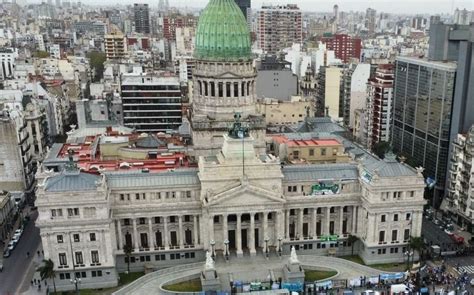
{"x": 251, "y": 201}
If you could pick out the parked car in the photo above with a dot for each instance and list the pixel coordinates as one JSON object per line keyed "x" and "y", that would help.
{"x": 1, "y": 267}
{"x": 436, "y": 221}
{"x": 6, "y": 253}
{"x": 472, "y": 282}
{"x": 11, "y": 246}
{"x": 457, "y": 238}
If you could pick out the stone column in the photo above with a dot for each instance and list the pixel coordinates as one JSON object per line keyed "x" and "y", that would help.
{"x": 225, "y": 232}
{"x": 327, "y": 220}
{"x": 135, "y": 234}
{"x": 224, "y": 91}
{"x": 211, "y": 228}
{"x": 341, "y": 219}
{"x": 151, "y": 240}
{"x": 281, "y": 226}
{"x": 265, "y": 226}
{"x": 119, "y": 230}
{"x": 287, "y": 224}
{"x": 238, "y": 235}
{"x": 353, "y": 225}
{"x": 313, "y": 222}
{"x": 180, "y": 234}
{"x": 232, "y": 89}
{"x": 216, "y": 89}
{"x": 165, "y": 232}
{"x": 195, "y": 231}
{"x": 300, "y": 223}
{"x": 252, "y": 235}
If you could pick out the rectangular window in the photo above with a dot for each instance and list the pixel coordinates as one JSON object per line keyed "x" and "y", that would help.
{"x": 296, "y": 154}
{"x": 160, "y": 257}
{"x": 95, "y": 256}
{"x": 408, "y": 216}
{"x": 76, "y": 238}
{"x": 60, "y": 238}
{"x": 76, "y": 211}
{"x": 381, "y": 236}
{"x": 142, "y": 220}
{"x": 92, "y": 237}
{"x": 394, "y": 235}
{"x": 157, "y": 220}
{"x": 172, "y": 219}
{"x": 78, "y": 256}
{"x": 122, "y": 197}
{"x": 188, "y": 194}
{"x": 406, "y": 235}
{"x": 53, "y": 212}
{"x": 382, "y": 218}
{"x": 323, "y": 152}
{"x": 395, "y": 217}
{"x": 311, "y": 152}
{"x": 62, "y": 259}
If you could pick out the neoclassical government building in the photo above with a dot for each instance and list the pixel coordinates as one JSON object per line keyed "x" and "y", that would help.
{"x": 239, "y": 200}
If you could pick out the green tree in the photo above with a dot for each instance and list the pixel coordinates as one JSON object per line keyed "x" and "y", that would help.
{"x": 352, "y": 240}
{"x": 127, "y": 249}
{"x": 416, "y": 244}
{"x": 380, "y": 148}
{"x": 97, "y": 60}
{"x": 41, "y": 54}
{"x": 47, "y": 271}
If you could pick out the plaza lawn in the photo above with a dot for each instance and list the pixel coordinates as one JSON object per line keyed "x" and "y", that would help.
{"x": 316, "y": 275}
{"x": 188, "y": 286}
{"x": 384, "y": 266}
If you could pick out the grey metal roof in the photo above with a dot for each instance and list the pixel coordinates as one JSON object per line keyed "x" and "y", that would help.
{"x": 139, "y": 179}
{"x": 151, "y": 141}
{"x": 320, "y": 171}
{"x": 390, "y": 168}
{"x": 72, "y": 181}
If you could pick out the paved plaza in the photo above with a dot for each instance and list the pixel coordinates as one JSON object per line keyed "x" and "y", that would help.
{"x": 246, "y": 269}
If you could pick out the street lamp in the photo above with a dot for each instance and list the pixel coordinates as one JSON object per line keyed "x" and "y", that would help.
{"x": 279, "y": 245}
{"x": 76, "y": 281}
{"x": 226, "y": 243}
{"x": 408, "y": 254}
{"x": 266, "y": 246}
{"x": 213, "y": 243}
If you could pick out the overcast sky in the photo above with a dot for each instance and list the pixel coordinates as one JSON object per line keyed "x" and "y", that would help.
{"x": 395, "y": 6}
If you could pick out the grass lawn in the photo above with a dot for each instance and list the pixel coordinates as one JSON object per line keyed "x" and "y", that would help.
{"x": 188, "y": 286}
{"x": 316, "y": 275}
{"x": 124, "y": 280}
{"x": 383, "y": 266}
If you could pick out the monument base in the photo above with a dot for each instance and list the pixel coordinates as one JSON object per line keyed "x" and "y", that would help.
{"x": 293, "y": 273}
{"x": 210, "y": 281}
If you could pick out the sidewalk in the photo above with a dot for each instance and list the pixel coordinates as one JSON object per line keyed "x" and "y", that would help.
{"x": 32, "y": 289}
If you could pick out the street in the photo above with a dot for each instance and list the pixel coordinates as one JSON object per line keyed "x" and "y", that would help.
{"x": 436, "y": 236}
{"x": 16, "y": 267}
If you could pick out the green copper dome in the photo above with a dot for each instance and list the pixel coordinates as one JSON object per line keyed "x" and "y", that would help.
{"x": 222, "y": 33}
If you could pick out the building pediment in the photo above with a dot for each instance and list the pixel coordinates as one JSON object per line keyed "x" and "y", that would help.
{"x": 246, "y": 195}
{"x": 228, "y": 75}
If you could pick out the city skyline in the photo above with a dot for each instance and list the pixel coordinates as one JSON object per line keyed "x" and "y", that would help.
{"x": 403, "y": 7}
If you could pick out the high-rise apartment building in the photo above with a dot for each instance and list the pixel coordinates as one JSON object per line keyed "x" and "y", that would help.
{"x": 279, "y": 27}
{"x": 463, "y": 16}
{"x": 151, "y": 104}
{"x": 379, "y": 105}
{"x": 172, "y": 22}
{"x": 422, "y": 113}
{"x": 115, "y": 46}
{"x": 7, "y": 62}
{"x": 244, "y": 5}
{"x": 370, "y": 20}
{"x": 344, "y": 46}
{"x": 459, "y": 198}
{"x": 142, "y": 18}
{"x": 329, "y": 101}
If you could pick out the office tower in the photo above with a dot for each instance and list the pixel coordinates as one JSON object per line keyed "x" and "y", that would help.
{"x": 279, "y": 27}
{"x": 150, "y": 103}
{"x": 422, "y": 113}
{"x": 329, "y": 100}
{"x": 379, "y": 105}
{"x": 344, "y": 46}
{"x": 370, "y": 20}
{"x": 245, "y": 6}
{"x": 142, "y": 18}
{"x": 336, "y": 13}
